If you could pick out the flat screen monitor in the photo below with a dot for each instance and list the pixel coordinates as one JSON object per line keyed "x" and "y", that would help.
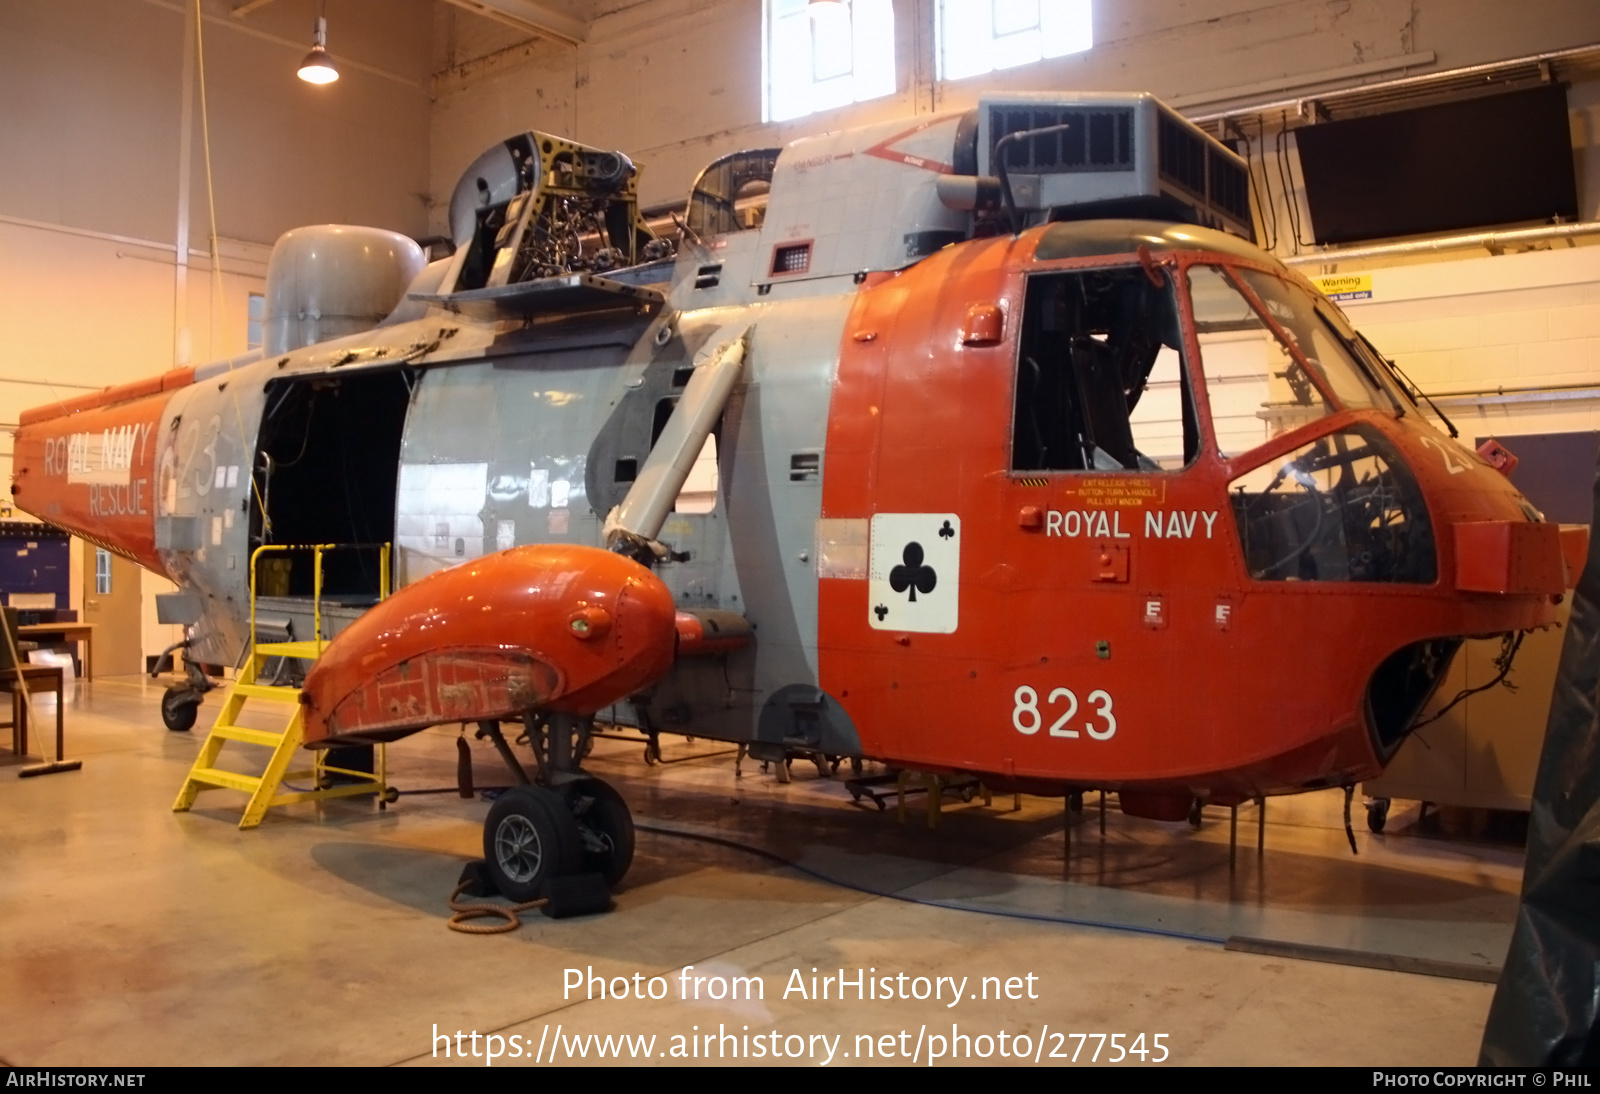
{"x": 1474, "y": 163}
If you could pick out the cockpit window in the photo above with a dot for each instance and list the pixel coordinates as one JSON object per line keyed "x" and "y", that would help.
{"x": 1296, "y": 313}
{"x": 1101, "y": 382}
{"x": 1256, "y": 387}
{"x": 1342, "y": 508}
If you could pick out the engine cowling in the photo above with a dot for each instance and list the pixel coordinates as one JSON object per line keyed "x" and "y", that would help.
{"x": 547, "y": 627}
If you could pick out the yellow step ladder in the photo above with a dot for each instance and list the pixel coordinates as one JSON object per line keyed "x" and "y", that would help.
{"x": 265, "y": 789}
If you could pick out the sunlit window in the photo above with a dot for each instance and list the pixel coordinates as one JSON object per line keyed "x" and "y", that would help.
{"x": 822, "y": 56}
{"x": 255, "y": 321}
{"x": 978, "y": 36}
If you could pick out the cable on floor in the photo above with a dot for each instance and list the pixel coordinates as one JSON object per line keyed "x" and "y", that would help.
{"x": 1038, "y": 917}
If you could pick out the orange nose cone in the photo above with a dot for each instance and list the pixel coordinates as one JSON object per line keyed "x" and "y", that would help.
{"x": 548, "y": 627}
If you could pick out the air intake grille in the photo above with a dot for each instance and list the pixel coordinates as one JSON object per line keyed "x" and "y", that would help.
{"x": 1230, "y": 187}
{"x": 1099, "y": 140}
{"x": 1189, "y": 162}
{"x": 1183, "y": 156}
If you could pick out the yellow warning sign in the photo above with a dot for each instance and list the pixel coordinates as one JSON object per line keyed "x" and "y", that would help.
{"x": 1345, "y": 286}
{"x": 1115, "y": 491}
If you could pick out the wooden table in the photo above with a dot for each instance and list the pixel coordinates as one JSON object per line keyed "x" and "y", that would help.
{"x": 45, "y": 633}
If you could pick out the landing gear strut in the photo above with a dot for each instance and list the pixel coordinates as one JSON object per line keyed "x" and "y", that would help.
{"x": 558, "y": 822}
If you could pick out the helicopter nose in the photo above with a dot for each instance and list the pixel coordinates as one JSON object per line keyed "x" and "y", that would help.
{"x": 548, "y": 627}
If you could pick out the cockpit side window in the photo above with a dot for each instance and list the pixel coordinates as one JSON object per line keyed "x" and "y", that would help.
{"x": 1101, "y": 382}
{"x": 1266, "y": 378}
{"x": 1257, "y": 389}
{"x": 1296, "y": 313}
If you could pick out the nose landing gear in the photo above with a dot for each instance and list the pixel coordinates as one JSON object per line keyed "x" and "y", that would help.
{"x": 560, "y": 823}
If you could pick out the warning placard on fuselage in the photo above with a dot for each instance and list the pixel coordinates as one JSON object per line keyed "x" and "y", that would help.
{"x": 914, "y": 572}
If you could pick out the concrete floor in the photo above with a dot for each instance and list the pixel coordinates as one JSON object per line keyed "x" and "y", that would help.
{"x": 130, "y": 935}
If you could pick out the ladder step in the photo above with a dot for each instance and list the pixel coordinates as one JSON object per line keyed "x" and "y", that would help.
{"x": 214, "y": 776}
{"x": 308, "y": 651}
{"x": 268, "y": 691}
{"x": 267, "y": 738}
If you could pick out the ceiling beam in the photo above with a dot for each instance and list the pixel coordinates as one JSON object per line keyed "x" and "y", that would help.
{"x": 241, "y": 8}
{"x": 524, "y": 15}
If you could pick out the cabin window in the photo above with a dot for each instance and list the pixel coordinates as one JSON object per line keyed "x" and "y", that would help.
{"x": 730, "y": 196}
{"x": 699, "y": 492}
{"x": 823, "y": 56}
{"x": 978, "y": 36}
{"x": 1101, "y": 381}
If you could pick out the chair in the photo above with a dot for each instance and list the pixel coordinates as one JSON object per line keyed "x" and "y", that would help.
{"x": 20, "y": 679}
{"x": 1105, "y": 404}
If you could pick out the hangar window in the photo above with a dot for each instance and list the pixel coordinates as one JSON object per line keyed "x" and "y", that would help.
{"x": 978, "y": 36}
{"x": 822, "y": 56}
{"x": 255, "y": 320}
{"x": 1101, "y": 381}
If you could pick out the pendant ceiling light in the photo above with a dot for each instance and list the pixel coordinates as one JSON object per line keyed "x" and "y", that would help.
{"x": 318, "y": 68}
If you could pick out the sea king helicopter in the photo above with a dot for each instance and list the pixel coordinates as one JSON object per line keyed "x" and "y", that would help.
{"x": 983, "y": 443}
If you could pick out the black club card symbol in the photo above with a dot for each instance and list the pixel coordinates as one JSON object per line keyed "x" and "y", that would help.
{"x": 912, "y": 576}
{"x": 881, "y": 610}
{"x": 946, "y": 532}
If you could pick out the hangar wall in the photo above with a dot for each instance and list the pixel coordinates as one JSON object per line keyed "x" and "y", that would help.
{"x": 1529, "y": 323}
{"x": 675, "y": 83}
{"x": 91, "y": 97}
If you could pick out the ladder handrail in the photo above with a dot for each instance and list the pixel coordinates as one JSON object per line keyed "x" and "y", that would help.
{"x": 316, "y": 550}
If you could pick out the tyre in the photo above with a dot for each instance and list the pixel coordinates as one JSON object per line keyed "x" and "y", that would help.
{"x": 529, "y": 837}
{"x": 179, "y": 707}
{"x": 1377, "y": 815}
{"x": 602, "y": 814}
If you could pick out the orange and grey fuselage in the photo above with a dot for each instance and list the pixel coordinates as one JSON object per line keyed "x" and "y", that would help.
{"x": 1106, "y": 503}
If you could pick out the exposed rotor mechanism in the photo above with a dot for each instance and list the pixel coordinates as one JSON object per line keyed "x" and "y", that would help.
{"x": 537, "y": 206}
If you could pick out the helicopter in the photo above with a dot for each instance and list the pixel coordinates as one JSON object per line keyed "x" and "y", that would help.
{"x": 984, "y": 443}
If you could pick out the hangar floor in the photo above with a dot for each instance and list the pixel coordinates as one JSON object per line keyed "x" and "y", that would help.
{"x": 133, "y": 936}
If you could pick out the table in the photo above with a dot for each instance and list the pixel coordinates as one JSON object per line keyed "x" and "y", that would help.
{"x": 45, "y": 633}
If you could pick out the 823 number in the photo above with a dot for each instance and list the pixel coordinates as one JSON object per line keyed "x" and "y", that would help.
{"x": 1027, "y": 718}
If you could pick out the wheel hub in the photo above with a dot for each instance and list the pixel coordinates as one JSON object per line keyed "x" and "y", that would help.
{"x": 517, "y": 848}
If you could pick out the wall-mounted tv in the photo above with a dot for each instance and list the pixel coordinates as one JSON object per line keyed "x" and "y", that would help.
{"x": 1473, "y": 163}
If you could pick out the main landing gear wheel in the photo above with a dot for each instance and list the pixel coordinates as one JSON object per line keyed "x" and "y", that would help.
{"x": 606, "y": 827}
{"x": 1377, "y": 815}
{"x": 179, "y": 706}
{"x": 529, "y": 838}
